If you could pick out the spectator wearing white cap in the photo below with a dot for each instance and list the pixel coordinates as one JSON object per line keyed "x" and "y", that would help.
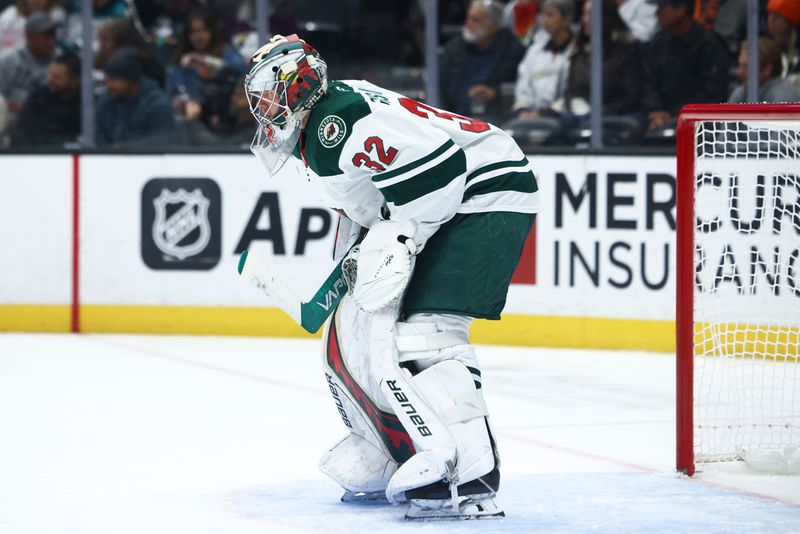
{"x": 24, "y": 69}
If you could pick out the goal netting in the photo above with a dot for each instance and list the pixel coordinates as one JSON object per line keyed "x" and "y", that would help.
{"x": 746, "y": 292}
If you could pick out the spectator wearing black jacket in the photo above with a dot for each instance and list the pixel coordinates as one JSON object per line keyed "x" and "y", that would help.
{"x": 134, "y": 111}
{"x": 683, "y": 64}
{"x": 478, "y": 62}
{"x": 113, "y": 34}
{"x": 622, "y": 66}
{"x": 51, "y": 115}
{"x": 232, "y": 126}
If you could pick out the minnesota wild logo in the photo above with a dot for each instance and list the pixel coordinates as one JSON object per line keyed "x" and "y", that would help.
{"x": 331, "y": 131}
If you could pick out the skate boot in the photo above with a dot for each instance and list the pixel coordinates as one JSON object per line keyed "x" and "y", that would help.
{"x": 446, "y": 500}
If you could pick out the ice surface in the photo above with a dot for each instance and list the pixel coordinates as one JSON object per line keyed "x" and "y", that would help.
{"x": 170, "y": 434}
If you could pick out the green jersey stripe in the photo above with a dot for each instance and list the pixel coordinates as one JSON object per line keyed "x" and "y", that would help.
{"x": 414, "y": 164}
{"x": 495, "y": 166}
{"x": 428, "y": 181}
{"x": 522, "y": 182}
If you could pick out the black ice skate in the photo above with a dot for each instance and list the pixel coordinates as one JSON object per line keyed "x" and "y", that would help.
{"x": 447, "y": 500}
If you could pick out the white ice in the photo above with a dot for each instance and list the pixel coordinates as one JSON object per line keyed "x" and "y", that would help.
{"x": 168, "y": 434}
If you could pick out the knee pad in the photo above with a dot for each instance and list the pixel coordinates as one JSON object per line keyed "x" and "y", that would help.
{"x": 426, "y": 339}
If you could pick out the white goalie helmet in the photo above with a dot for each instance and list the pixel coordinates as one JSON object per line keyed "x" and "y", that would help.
{"x": 285, "y": 79}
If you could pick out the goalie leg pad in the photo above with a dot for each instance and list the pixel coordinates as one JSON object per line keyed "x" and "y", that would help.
{"x": 357, "y": 465}
{"x": 448, "y": 379}
{"x": 364, "y": 460}
{"x": 448, "y": 390}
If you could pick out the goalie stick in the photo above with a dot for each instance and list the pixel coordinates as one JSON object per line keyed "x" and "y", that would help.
{"x": 310, "y": 315}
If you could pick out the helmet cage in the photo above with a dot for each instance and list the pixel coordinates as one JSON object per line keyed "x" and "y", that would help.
{"x": 287, "y": 76}
{"x": 269, "y": 105}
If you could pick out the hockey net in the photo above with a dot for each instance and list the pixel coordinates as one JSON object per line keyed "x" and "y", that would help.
{"x": 738, "y": 305}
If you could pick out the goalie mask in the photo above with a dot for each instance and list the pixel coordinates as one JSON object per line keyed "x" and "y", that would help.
{"x": 285, "y": 79}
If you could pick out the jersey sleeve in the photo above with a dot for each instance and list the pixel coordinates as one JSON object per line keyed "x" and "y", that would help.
{"x": 420, "y": 171}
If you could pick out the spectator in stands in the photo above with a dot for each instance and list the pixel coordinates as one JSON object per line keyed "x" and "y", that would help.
{"x": 52, "y": 114}
{"x": 520, "y": 17}
{"x": 771, "y": 87}
{"x": 102, "y": 10}
{"x": 12, "y": 20}
{"x": 478, "y": 62}
{"x": 134, "y": 111}
{"x": 242, "y": 27}
{"x": 232, "y": 126}
{"x": 705, "y": 12}
{"x": 201, "y": 60}
{"x": 114, "y": 34}
{"x": 24, "y": 69}
{"x": 684, "y": 63}
{"x": 728, "y": 18}
{"x": 165, "y": 22}
{"x": 542, "y": 74}
{"x": 622, "y": 68}
{"x": 640, "y": 18}
{"x": 783, "y": 18}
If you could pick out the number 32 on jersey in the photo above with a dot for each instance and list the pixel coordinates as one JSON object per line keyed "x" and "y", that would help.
{"x": 385, "y": 155}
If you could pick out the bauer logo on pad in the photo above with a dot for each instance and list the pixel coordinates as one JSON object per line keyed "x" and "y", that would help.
{"x": 181, "y": 223}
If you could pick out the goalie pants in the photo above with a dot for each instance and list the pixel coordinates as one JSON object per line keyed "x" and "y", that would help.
{"x": 466, "y": 266}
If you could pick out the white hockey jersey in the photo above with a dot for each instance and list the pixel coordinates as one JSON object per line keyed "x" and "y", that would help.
{"x": 367, "y": 148}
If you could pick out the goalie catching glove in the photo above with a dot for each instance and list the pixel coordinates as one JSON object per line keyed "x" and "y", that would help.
{"x": 377, "y": 272}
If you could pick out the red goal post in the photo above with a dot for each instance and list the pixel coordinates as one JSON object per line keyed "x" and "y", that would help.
{"x": 747, "y": 137}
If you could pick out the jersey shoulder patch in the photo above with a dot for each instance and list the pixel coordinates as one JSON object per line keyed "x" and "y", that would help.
{"x": 332, "y": 131}
{"x": 330, "y": 125}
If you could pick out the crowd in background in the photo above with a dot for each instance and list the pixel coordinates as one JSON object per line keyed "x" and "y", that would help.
{"x": 168, "y": 72}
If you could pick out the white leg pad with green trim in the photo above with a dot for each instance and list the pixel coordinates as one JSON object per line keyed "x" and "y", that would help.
{"x": 464, "y": 453}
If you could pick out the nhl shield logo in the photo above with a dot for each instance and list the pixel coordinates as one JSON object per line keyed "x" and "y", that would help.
{"x": 171, "y": 233}
{"x": 181, "y": 223}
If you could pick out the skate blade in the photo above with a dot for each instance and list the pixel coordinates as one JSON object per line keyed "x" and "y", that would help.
{"x": 476, "y": 507}
{"x": 361, "y": 497}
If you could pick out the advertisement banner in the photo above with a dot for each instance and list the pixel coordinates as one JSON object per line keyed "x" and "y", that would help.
{"x": 161, "y": 236}
{"x": 172, "y": 229}
{"x": 605, "y": 239}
